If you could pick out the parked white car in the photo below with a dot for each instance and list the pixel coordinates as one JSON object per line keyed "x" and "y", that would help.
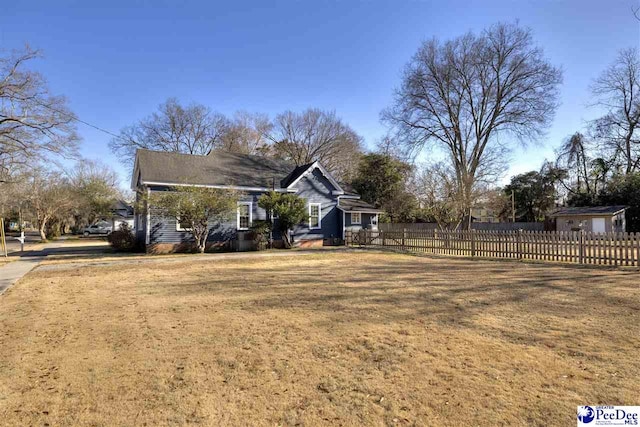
{"x": 98, "y": 228}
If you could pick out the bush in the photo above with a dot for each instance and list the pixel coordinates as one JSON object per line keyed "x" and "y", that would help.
{"x": 123, "y": 239}
{"x": 260, "y": 234}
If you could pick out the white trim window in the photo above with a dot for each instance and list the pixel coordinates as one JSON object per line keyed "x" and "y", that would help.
{"x": 179, "y": 226}
{"x": 245, "y": 215}
{"x": 356, "y": 218}
{"x": 315, "y": 216}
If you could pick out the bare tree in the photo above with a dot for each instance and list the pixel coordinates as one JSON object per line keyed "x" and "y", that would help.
{"x": 317, "y": 135}
{"x": 573, "y": 156}
{"x": 49, "y": 196}
{"x": 32, "y": 121}
{"x": 192, "y": 129}
{"x": 95, "y": 186}
{"x": 246, "y": 133}
{"x": 436, "y": 188}
{"x": 618, "y": 91}
{"x": 393, "y": 147}
{"x": 578, "y": 171}
{"x": 474, "y": 95}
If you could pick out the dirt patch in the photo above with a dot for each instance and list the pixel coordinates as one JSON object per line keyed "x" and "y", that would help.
{"x": 328, "y": 339}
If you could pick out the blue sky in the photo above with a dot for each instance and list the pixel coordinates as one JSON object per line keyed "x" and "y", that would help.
{"x": 117, "y": 60}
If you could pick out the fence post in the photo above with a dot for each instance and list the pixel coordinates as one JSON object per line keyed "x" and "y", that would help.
{"x": 519, "y": 243}
{"x": 404, "y": 233}
{"x": 581, "y": 247}
{"x": 473, "y": 243}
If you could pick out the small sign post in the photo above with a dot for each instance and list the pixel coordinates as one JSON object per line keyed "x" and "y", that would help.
{"x": 3, "y": 239}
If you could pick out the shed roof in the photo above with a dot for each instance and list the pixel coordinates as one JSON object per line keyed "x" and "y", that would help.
{"x": 590, "y": 211}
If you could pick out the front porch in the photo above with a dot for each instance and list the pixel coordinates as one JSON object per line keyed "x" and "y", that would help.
{"x": 357, "y": 215}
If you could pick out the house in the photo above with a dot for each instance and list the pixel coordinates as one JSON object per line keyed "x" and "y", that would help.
{"x": 333, "y": 208}
{"x": 121, "y": 213}
{"x": 484, "y": 214}
{"x": 598, "y": 219}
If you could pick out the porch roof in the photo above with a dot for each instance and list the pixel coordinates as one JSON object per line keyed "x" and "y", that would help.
{"x": 357, "y": 205}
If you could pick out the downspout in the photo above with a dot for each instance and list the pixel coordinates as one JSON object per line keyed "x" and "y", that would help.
{"x": 148, "y": 227}
{"x": 343, "y": 220}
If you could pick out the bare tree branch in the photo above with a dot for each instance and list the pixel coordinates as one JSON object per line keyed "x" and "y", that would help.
{"x": 469, "y": 93}
{"x": 317, "y": 135}
{"x": 618, "y": 90}
{"x": 192, "y": 129}
{"x": 32, "y": 121}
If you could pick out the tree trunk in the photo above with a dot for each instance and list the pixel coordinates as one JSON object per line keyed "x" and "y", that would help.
{"x": 201, "y": 242}
{"x": 285, "y": 238}
{"x": 43, "y": 224}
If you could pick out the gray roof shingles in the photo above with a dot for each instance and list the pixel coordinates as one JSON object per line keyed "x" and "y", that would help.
{"x": 589, "y": 210}
{"x": 223, "y": 168}
{"x": 218, "y": 168}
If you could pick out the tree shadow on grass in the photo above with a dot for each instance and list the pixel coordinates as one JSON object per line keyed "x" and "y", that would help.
{"x": 448, "y": 293}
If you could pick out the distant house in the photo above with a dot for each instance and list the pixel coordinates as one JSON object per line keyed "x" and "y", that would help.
{"x": 598, "y": 219}
{"x": 121, "y": 213}
{"x": 332, "y": 207}
{"x": 484, "y": 214}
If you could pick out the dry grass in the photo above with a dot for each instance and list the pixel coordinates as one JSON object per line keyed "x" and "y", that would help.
{"x": 329, "y": 339}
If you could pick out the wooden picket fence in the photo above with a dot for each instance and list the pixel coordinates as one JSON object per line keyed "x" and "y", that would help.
{"x": 569, "y": 247}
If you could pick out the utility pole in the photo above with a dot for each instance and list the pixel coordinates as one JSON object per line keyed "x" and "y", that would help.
{"x": 513, "y": 206}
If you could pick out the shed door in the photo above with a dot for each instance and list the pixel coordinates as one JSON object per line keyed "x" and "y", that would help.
{"x": 597, "y": 225}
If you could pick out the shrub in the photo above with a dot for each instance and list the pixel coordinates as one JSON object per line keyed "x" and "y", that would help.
{"x": 261, "y": 231}
{"x": 123, "y": 239}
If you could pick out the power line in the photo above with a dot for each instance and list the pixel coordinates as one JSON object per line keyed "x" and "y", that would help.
{"x": 77, "y": 119}
{"x": 97, "y": 127}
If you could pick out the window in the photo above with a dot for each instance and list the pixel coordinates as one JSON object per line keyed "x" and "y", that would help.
{"x": 180, "y": 226}
{"x": 244, "y": 215}
{"x": 314, "y": 215}
{"x": 356, "y": 218}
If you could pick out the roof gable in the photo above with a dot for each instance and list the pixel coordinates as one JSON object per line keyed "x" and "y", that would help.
{"x": 299, "y": 172}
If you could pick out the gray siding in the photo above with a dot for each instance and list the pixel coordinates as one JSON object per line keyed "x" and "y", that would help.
{"x": 163, "y": 229}
{"x": 315, "y": 188}
{"x": 366, "y": 220}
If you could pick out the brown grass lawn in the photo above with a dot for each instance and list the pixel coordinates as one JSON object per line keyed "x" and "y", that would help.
{"x": 326, "y": 339}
